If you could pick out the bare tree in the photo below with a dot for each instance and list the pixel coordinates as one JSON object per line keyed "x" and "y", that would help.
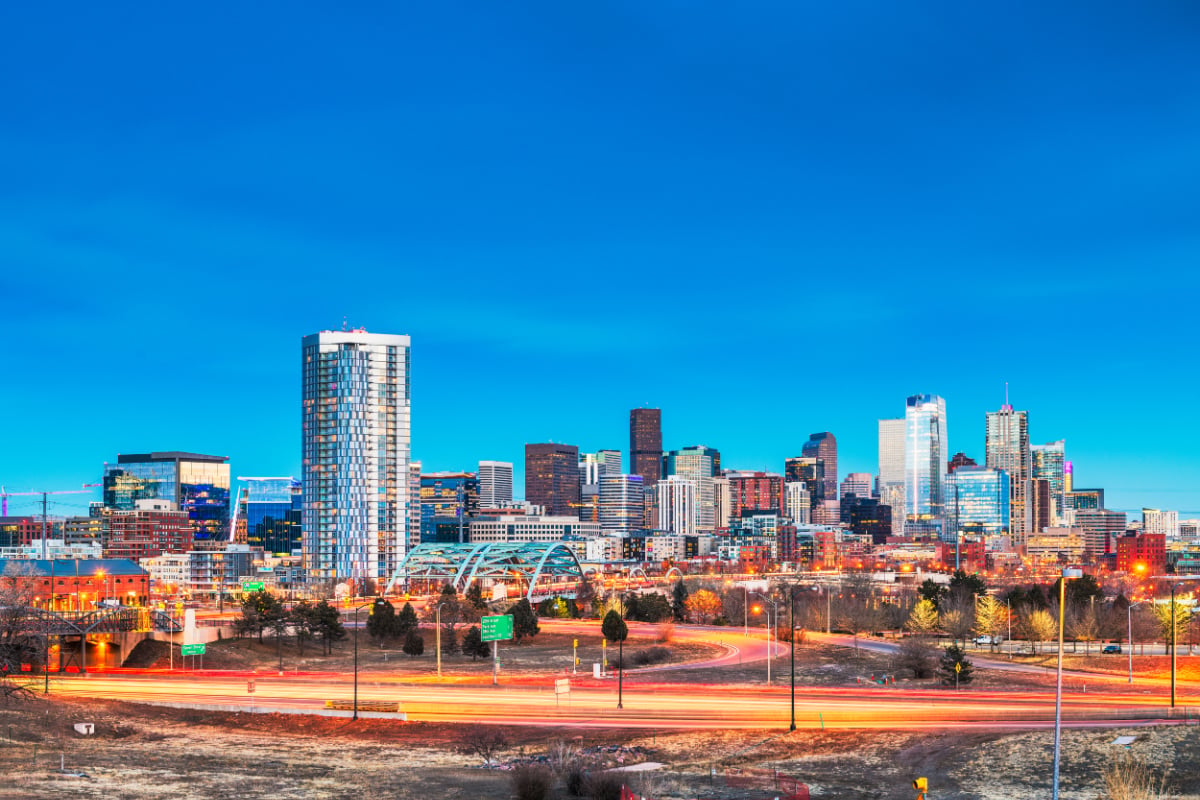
{"x": 483, "y": 741}
{"x": 19, "y": 643}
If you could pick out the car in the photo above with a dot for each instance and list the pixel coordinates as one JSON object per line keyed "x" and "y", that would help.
{"x": 988, "y": 640}
{"x": 1111, "y": 648}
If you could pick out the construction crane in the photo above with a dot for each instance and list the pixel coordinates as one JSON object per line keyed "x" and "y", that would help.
{"x": 5, "y": 494}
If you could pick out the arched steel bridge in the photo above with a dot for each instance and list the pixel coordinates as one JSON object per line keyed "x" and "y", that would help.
{"x": 547, "y": 568}
{"x": 120, "y": 619}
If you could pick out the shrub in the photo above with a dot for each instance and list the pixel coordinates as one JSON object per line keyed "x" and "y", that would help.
{"x": 1129, "y": 778}
{"x": 575, "y": 780}
{"x": 644, "y": 657}
{"x": 665, "y": 634}
{"x": 532, "y": 782}
{"x": 602, "y": 786}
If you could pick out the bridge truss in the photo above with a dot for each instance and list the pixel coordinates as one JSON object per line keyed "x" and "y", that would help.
{"x": 542, "y": 569}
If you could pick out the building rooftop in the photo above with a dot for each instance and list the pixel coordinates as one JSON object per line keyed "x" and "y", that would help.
{"x": 168, "y": 455}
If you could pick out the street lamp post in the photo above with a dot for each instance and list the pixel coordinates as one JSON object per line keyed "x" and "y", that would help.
{"x": 1067, "y": 574}
{"x": 356, "y": 610}
{"x": 770, "y": 644}
{"x": 438, "y": 635}
{"x": 1129, "y": 624}
{"x": 792, "y": 642}
{"x": 1175, "y": 581}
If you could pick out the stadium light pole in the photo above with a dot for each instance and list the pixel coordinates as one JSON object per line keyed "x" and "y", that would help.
{"x": 1068, "y": 573}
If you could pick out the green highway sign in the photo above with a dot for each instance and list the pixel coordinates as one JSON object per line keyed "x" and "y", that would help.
{"x": 192, "y": 650}
{"x": 252, "y": 586}
{"x": 497, "y": 628}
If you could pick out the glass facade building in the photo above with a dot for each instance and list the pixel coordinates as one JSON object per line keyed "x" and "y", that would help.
{"x": 274, "y": 509}
{"x": 1049, "y": 464}
{"x": 447, "y": 496}
{"x": 355, "y": 446}
{"x": 1008, "y": 449}
{"x": 195, "y": 483}
{"x": 700, "y": 465}
{"x": 622, "y": 503}
{"x": 925, "y": 447}
{"x": 977, "y": 503}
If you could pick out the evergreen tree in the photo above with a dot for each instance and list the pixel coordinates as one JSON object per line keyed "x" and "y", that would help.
{"x": 972, "y": 583}
{"x": 327, "y": 625}
{"x": 679, "y": 598}
{"x": 406, "y": 621}
{"x": 473, "y": 644}
{"x": 474, "y": 596}
{"x": 933, "y": 592}
{"x": 653, "y": 607}
{"x": 414, "y": 643}
{"x": 524, "y": 620}
{"x": 381, "y": 622}
{"x": 260, "y": 610}
{"x": 952, "y": 656}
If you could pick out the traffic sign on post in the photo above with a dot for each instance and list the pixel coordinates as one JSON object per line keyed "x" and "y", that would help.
{"x": 192, "y": 650}
{"x": 496, "y": 628}
{"x": 252, "y": 586}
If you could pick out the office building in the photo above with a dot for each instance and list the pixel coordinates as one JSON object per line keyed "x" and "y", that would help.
{"x": 495, "y": 484}
{"x": 622, "y": 504}
{"x": 925, "y": 444}
{"x": 552, "y": 478}
{"x": 960, "y": 459}
{"x": 273, "y": 509}
{"x": 721, "y": 502}
{"x": 977, "y": 504}
{"x": 890, "y": 482}
{"x": 1048, "y": 463}
{"x": 754, "y": 492}
{"x": 858, "y": 484}
{"x": 356, "y": 448}
{"x": 213, "y": 571}
{"x": 1164, "y": 522}
{"x": 1142, "y": 554}
{"x": 676, "y": 503}
{"x": 86, "y": 530}
{"x": 20, "y": 531}
{"x": 697, "y": 464}
{"x": 1007, "y": 448}
{"x": 414, "y": 505}
{"x": 646, "y": 453}
{"x": 796, "y": 502}
{"x": 866, "y": 516}
{"x": 448, "y": 496}
{"x": 823, "y": 447}
{"x": 195, "y": 483}
{"x": 1041, "y": 505}
{"x": 591, "y": 467}
{"x": 1100, "y": 529}
{"x": 523, "y": 528}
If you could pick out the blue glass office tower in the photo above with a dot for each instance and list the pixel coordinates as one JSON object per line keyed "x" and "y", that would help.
{"x": 355, "y": 448}
{"x": 273, "y": 515}
{"x": 195, "y": 483}
{"x": 977, "y": 503}
{"x": 925, "y": 449}
{"x": 448, "y": 501}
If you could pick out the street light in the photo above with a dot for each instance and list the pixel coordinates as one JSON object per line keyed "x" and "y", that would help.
{"x": 1129, "y": 623}
{"x": 770, "y": 646}
{"x": 1067, "y": 574}
{"x": 1175, "y": 581}
{"x": 356, "y": 610}
{"x": 792, "y": 642}
{"x": 438, "y": 634}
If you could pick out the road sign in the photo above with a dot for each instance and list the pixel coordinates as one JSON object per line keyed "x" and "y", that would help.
{"x": 192, "y": 650}
{"x": 562, "y": 686}
{"x": 252, "y": 586}
{"x": 958, "y": 666}
{"x": 250, "y": 686}
{"x": 497, "y": 628}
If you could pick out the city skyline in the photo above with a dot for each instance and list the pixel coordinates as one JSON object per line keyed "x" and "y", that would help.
{"x": 609, "y": 218}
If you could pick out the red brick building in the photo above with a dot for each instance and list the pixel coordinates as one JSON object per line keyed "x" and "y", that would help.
{"x": 147, "y": 533}
{"x": 66, "y": 584}
{"x": 754, "y": 491}
{"x": 20, "y": 531}
{"x": 1142, "y": 554}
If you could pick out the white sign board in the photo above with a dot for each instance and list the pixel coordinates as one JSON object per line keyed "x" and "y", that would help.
{"x": 562, "y": 686}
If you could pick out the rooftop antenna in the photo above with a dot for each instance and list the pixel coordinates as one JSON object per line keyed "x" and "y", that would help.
{"x": 346, "y": 325}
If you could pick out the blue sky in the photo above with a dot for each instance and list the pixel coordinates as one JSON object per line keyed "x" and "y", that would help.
{"x": 766, "y": 219}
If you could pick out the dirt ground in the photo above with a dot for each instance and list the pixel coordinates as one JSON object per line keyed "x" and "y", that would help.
{"x": 139, "y": 753}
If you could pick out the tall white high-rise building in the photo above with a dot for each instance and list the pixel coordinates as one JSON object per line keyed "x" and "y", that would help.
{"x": 676, "y": 501}
{"x": 890, "y": 481}
{"x": 696, "y": 464}
{"x": 622, "y": 503}
{"x": 925, "y": 448}
{"x": 495, "y": 484}
{"x": 355, "y": 443}
{"x": 1164, "y": 522}
{"x": 797, "y": 502}
{"x": 1007, "y": 448}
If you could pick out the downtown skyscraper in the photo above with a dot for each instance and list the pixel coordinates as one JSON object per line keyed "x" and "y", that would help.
{"x": 889, "y": 483}
{"x": 1007, "y": 448}
{"x": 552, "y": 478}
{"x": 925, "y": 448}
{"x": 646, "y": 453}
{"x": 356, "y": 447}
